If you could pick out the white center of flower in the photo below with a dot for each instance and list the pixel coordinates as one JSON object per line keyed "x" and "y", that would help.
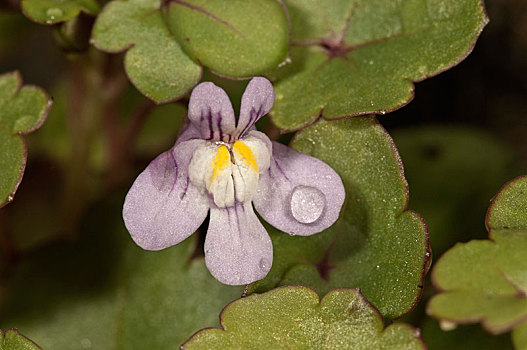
{"x": 230, "y": 172}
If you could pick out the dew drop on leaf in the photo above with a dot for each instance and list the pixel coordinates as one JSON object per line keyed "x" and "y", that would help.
{"x": 307, "y": 204}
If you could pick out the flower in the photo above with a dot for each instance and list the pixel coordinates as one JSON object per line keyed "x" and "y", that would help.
{"x": 227, "y": 167}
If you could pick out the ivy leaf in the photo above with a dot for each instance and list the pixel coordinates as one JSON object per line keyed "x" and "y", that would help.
{"x": 463, "y": 337}
{"x": 376, "y": 244}
{"x": 22, "y": 110}
{"x": 358, "y": 57}
{"x": 12, "y": 340}
{"x": 485, "y": 280}
{"x": 237, "y": 38}
{"x": 104, "y": 292}
{"x": 55, "y": 11}
{"x": 155, "y": 63}
{"x": 295, "y": 317}
{"x": 466, "y": 166}
{"x": 519, "y": 337}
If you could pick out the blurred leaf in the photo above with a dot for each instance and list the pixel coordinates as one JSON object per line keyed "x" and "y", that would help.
{"x": 376, "y": 244}
{"x": 358, "y": 57}
{"x": 12, "y": 340}
{"x": 519, "y": 337}
{"x": 236, "y": 38}
{"x": 160, "y": 129}
{"x": 22, "y": 110}
{"x": 463, "y": 337}
{"x": 452, "y": 172}
{"x": 104, "y": 292}
{"x": 55, "y": 11}
{"x": 155, "y": 63}
{"x": 486, "y": 281}
{"x": 296, "y": 318}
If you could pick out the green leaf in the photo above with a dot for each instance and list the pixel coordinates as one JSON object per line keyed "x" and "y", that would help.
{"x": 519, "y": 337}
{"x": 104, "y": 292}
{"x": 376, "y": 245}
{"x": 466, "y": 166}
{"x": 22, "y": 110}
{"x": 12, "y": 340}
{"x": 485, "y": 280}
{"x": 160, "y": 129}
{"x": 155, "y": 63}
{"x": 358, "y": 57}
{"x": 463, "y": 337}
{"x": 236, "y": 38}
{"x": 55, "y": 11}
{"x": 296, "y": 318}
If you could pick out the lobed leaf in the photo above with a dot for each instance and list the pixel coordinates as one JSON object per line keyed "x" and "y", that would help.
{"x": 237, "y": 38}
{"x": 519, "y": 336}
{"x": 104, "y": 292}
{"x": 55, "y": 11}
{"x": 23, "y": 109}
{"x": 358, "y": 57}
{"x": 453, "y": 171}
{"x": 154, "y": 62}
{"x": 296, "y": 318}
{"x": 462, "y": 337}
{"x": 485, "y": 280}
{"x": 376, "y": 244}
{"x": 11, "y": 339}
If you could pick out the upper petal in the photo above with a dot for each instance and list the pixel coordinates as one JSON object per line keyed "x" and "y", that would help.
{"x": 257, "y": 101}
{"x": 211, "y": 112}
{"x": 299, "y": 194}
{"x": 163, "y": 207}
{"x": 238, "y": 249}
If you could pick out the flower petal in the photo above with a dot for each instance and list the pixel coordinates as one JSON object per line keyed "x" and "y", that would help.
{"x": 163, "y": 207}
{"x": 238, "y": 249}
{"x": 257, "y": 101}
{"x": 299, "y": 194}
{"x": 189, "y": 133}
{"x": 210, "y": 110}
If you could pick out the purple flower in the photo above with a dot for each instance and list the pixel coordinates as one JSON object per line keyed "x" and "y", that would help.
{"x": 227, "y": 167}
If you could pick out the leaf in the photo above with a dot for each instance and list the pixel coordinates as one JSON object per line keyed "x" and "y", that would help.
{"x": 519, "y": 337}
{"x": 358, "y": 57}
{"x": 296, "y": 318}
{"x": 12, "y": 340}
{"x": 104, "y": 292}
{"x": 22, "y": 110}
{"x": 466, "y": 166}
{"x": 236, "y": 38}
{"x": 160, "y": 129}
{"x": 463, "y": 337}
{"x": 485, "y": 280}
{"x": 55, "y": 11}
{"x": 155, "y": 63}
{"x": 376, "y": 244}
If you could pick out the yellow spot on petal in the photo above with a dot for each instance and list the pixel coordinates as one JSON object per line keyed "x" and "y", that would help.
{"x": 220, "y": 161}
{"x": 245, "y": 154}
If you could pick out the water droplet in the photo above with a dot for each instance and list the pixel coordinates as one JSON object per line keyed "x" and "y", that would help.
{"x": 378, "y": 267}
{"x": 53, "y": 13}
{"x": 307, "y": 204}
{"x": 427, "y": 254}
{"x": 382, "y": 111}
{"x": 10, "y": 198}
{"x": 264, "y": 264}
